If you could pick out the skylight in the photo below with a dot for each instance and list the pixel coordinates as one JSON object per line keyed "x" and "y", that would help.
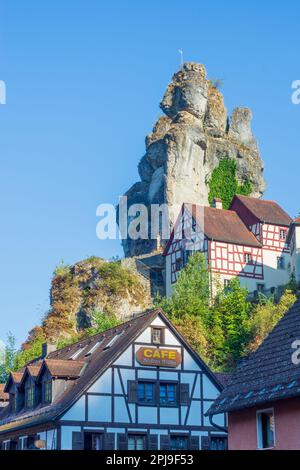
{"x": 76, "y": 353}
{"x": 113, "y": 340}
{"x": 93, "y": 348}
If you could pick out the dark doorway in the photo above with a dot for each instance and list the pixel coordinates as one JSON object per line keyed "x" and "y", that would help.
{"x": 93, "y": 441}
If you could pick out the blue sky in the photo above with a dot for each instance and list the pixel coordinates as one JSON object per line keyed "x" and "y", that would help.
{"x": 84, "y": 80}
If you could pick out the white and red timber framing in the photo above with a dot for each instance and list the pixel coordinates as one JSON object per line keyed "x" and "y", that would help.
{"x": 137, "y": 386}
{"x": 248, "y": 241}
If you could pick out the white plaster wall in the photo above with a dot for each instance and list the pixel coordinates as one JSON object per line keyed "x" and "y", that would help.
{"x": 66, "y": 436}
{"x": 77, "y": 411}
{"x": 103, "y": 384}
{"x": 99, "y": 408}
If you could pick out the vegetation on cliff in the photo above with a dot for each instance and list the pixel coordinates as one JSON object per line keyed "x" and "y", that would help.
{"x": 86, "y": 298}
{"x": 223, "y": 183}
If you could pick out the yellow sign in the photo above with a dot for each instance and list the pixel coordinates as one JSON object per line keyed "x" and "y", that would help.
{"x": 158, "y": 357}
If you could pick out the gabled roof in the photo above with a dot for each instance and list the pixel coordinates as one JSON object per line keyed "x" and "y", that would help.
{"x": 3, "y": 396}
{"x": 268, "y": 374}
{"x": 14, "y": 377}
{"x": 109, "y": 345}
{"x": 218, "y": 224}
{"x": 63, "y": 368}
{"x": 31, "y": 370}
{"x": 265, "y": 211}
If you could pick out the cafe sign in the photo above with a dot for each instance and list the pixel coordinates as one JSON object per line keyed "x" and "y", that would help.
{"x": 158, "y": 357}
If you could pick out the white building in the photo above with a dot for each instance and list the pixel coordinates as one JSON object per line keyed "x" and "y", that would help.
{"x": 136, "y": 386}
{"x": 249, "y": 241}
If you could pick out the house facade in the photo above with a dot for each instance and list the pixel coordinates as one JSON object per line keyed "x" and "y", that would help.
{"x": 249, "y": 241}
{"x": 262, "y": 399}
{"x": 137, "y": 386}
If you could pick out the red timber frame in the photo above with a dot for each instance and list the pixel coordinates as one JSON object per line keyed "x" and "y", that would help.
{"x": 271, "y": 239}
{"x": 229, "y": 258}
{"x": 222, "y": 257}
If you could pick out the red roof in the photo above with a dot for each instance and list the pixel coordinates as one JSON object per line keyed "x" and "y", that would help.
{"x": 226, "y": 226}
{"x": 64, "y": 368}
{"x": 265, "y": 211}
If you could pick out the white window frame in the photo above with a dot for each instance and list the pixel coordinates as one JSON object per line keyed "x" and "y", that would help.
{"x": 258, "y": 428}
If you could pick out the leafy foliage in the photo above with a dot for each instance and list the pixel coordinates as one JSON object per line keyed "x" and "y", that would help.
{"x": 223, "y": 183}
{"x": 223, "y": 329}
{"x": 265, "y": 316}
{"x": 7, "y": 363}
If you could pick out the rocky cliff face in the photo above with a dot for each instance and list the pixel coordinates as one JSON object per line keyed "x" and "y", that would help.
{"x": 187, "y": 143}
{"x": 90, "y": 286}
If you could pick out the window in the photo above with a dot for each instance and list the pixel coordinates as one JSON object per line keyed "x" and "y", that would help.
{"x": 113, "y": 340}
{"x": 47, "y": 391}
{"x": 167, "y": 394}
{"x": 178, "y": 264}
{"x": 76, "y": 353}
{"x": 218, "y": 443}
{"x": 247, "y": 258}
{"x": 157, "y": 335}
{"x": 12, "y": 402}
{"x": 179, "y": 442}
{"x": 265, "y": 429}
{"x": 260, "y": 287}
{"x": 29, "y": 396}
{"x": 280, "y": 262}
{"x": 93, "y": 441}
{"x": 282, "y": 234}
{"x": 136, "y": 442}
{"x": 145, "y": 392}
{"x": 93, "y": 348}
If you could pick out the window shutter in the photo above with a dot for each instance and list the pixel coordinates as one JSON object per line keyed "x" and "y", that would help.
{"x": 194, "y": 443}
{"x": 122, "y": 442}
{"x": 132, "y": 391}
{"x": 153, "y": 442}
{"x": 184, "y": 394}
{"x": 109, "y": 441}
{"x": 25, "y": 443}
{"x": 165, "y": 442}
{"x": 205, "y": 443}
{"x": 77, "y": 441}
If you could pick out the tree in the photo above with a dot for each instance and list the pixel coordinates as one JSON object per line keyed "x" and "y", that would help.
{"x": 232, "y": 313}
{"x": 8, "y": 359}
{"x": 265, "y": 316}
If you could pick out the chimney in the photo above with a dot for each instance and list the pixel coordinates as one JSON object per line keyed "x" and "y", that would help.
{"x": 217, "y": 203}
{"x": 47, "y": 348}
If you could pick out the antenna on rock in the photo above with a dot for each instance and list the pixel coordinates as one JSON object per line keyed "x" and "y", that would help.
{"x": 181, "y": 57}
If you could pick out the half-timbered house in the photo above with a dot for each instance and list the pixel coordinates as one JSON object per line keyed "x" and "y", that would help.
{"x": 249, "y": 241}
{"x": 137, "y": 386}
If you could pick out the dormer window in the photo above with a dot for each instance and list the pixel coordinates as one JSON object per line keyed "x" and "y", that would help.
{"x": 47, "y": 391}
{"x": 12, "y": 402}
{"x": 29, "y": 396}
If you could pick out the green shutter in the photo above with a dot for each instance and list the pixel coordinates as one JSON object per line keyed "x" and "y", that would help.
{"x": 77, "y": 441}
{"x": 153, "y": 442}
{"x": 109, "y": 441}
{"x": 122, "y": 441}
{"x": 132, "y": 391}
{"x": 165, "y": 442}
{"x": 205, "y": 443}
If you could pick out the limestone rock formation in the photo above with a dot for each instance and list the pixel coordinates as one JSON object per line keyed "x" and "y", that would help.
{"x": 187, "y": 144}
{"x": 89, "y": 286}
